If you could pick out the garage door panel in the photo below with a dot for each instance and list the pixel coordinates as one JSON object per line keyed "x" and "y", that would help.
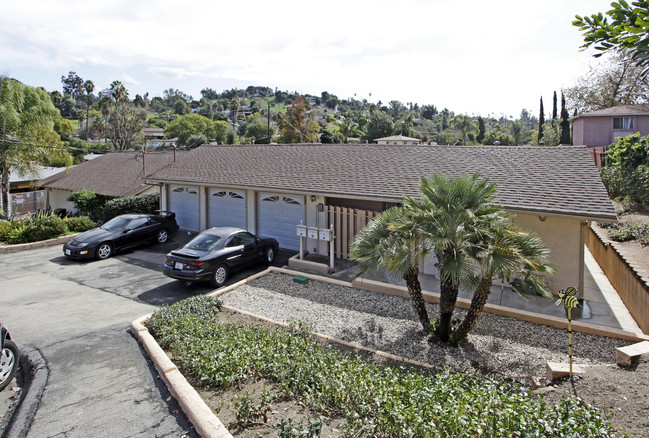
{"x": 227, "y": 208}
{"x": 183, "y": 200}
{"x": 277, "y": 216}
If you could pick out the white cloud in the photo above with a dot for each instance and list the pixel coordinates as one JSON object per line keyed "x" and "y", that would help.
{"x": 469, "y": 56}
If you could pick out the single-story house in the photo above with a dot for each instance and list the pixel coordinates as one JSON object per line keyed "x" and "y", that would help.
{"x": 24, "y": 194}
{"x": 116, "y": 174}
{"x": 397, "y": 139}
{"x": 270, "y": 189}
{"x": 599, "y": 129}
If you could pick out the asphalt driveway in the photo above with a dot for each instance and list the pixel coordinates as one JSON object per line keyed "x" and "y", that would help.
{"x": 75, "y": 315}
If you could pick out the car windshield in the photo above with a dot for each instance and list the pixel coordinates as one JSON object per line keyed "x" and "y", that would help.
{"x": 203, "y": 242}
{"x": 116, "y": 224}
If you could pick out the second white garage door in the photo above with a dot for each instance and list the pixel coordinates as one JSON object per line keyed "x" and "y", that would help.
{"x": 277, "y": 216}
{"x": 227, "y": 208}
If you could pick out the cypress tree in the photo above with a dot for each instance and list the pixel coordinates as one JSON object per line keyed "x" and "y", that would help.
{"x": 541, "y": 122}
{"x": 481, "y": 130}
{"x": 565, "y": 123}
{"x": 554, "y": 106}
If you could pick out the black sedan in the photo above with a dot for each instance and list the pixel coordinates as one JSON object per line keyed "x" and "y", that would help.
{"x": 215, "y": 253}
{"x": 121, "y": 232}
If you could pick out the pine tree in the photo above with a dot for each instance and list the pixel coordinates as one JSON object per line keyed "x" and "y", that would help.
{"x": 565, "y": 123}
{"x": 541, "y": 122}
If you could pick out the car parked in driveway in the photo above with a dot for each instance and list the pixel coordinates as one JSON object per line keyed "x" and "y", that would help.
{"x": 9, "y": 358}
{"x": 215, "y": 253}
{"x": 120, "y": 233}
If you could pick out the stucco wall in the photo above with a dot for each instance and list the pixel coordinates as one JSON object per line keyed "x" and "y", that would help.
{"x": 598, "y": 131}
{"x": 58, "y": 199}
{"x": 561, "y": 235}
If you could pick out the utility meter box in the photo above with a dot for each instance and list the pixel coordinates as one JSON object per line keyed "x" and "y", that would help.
{"x": 325, "y": 234}
{"x": 301, "y": 230}
{"x": 313, "y": 233}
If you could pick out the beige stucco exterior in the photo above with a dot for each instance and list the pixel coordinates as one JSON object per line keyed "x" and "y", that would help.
{"x": 562, "y": 234}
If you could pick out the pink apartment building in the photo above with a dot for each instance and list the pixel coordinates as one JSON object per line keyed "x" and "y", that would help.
{"x": 598, "y": 129}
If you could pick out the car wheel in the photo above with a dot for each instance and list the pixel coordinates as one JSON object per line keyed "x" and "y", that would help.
{"x": 104, "y": 250}
{"x": 219, "y": 276}
{"x": 269, "y": 256}
{"x": 9, "y": 359}
{"x": 163, "y": 236}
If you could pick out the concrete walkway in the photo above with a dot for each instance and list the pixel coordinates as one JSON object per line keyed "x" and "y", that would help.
{"x": 602, "y": 306}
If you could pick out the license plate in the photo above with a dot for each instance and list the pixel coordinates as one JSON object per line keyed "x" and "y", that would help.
{"x": 179, "y": 266}
{"x": 67, "y": 252}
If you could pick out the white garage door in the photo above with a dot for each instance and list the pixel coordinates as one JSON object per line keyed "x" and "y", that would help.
{"x": 183, "y": 200}
{"x": 277, "y": 216}
{"x": 227, "y": 208}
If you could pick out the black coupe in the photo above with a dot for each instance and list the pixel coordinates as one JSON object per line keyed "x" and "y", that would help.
{"x": 121, "y": 232}
{"x": 216, "y": 252}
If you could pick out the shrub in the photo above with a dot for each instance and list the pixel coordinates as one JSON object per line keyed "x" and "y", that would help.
{"x": 131, "y": 204}
{"x": 374, "y": 400}
{"x": 5, "y": 229}
{"x": 627, "y": 233}
{"x": 88, "y": 203}
{"x": 41, "y": 228}
{"x": 80, "y": 224}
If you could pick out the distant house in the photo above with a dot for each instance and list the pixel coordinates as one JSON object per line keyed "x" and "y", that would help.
{"x": 116, "y": 174}
{"x": 397, "y": 139}
{"x": 598, "y": 129}
{"x": 24, "y": 194}
{"x": 153, "y": 136}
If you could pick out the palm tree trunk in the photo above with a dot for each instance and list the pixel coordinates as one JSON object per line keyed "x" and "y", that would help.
{"x": 477, "y": 305}
{"x": 416, "y": 297}
{"x": 447, "y": 299}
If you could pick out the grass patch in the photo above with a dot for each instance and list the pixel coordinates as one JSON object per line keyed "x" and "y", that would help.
{"x": 373, "y": 400}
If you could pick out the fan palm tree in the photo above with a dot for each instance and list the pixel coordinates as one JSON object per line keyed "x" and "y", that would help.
{"x": 455, "y": 216}
{"x": 464, "y": 125}
{"x": 391, "y": 241}
{"x": 347, "y": 127}
{"x": 509, "y": 251}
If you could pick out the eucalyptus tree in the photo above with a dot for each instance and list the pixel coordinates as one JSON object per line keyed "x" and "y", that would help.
{"x": 27, "y": 136}
{"x": 391, "y": 241}
{"x": 124, "y": 122}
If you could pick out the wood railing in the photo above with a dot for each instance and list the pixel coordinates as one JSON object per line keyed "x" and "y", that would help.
{"x": 630, "y": 286}
{"x": 347, "y": 222}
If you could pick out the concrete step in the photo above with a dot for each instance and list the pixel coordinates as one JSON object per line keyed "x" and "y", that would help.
{"x": 624, "y": 355}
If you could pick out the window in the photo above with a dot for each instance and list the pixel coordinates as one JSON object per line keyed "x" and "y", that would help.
{"x": 623, "y": 123}
{"x": 138, "y": 223}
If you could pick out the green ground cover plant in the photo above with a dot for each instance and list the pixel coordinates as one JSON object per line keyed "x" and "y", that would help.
{"x": 43, "y": 226}
{"x": 374, "y": 400}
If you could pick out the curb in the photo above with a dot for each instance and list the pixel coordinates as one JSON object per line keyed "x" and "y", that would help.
{"x": 5, "y": 249}
{"x": 36, "y": 371}
{"x": 201, "y": 416}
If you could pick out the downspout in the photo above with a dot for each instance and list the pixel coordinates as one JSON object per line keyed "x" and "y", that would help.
{"x": 582, "y": 255}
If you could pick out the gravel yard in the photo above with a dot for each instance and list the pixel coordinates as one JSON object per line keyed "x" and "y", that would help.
{"x": 502, "y": 346}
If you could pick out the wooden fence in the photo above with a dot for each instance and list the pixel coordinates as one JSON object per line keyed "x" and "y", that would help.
{"x": 633, "y": 290}
{"x": 347, "y": 222}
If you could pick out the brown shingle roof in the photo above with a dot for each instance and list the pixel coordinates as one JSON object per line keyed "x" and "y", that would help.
{"x": 560, "y": 180}
{"x": 115, "y": 174}
{"x": 620, "y": 110}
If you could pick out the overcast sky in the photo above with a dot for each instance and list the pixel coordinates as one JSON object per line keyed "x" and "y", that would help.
{"x": 471, "y": 56}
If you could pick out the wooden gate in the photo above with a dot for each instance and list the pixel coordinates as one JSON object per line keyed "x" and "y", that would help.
{"x": 346, "y": 222}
